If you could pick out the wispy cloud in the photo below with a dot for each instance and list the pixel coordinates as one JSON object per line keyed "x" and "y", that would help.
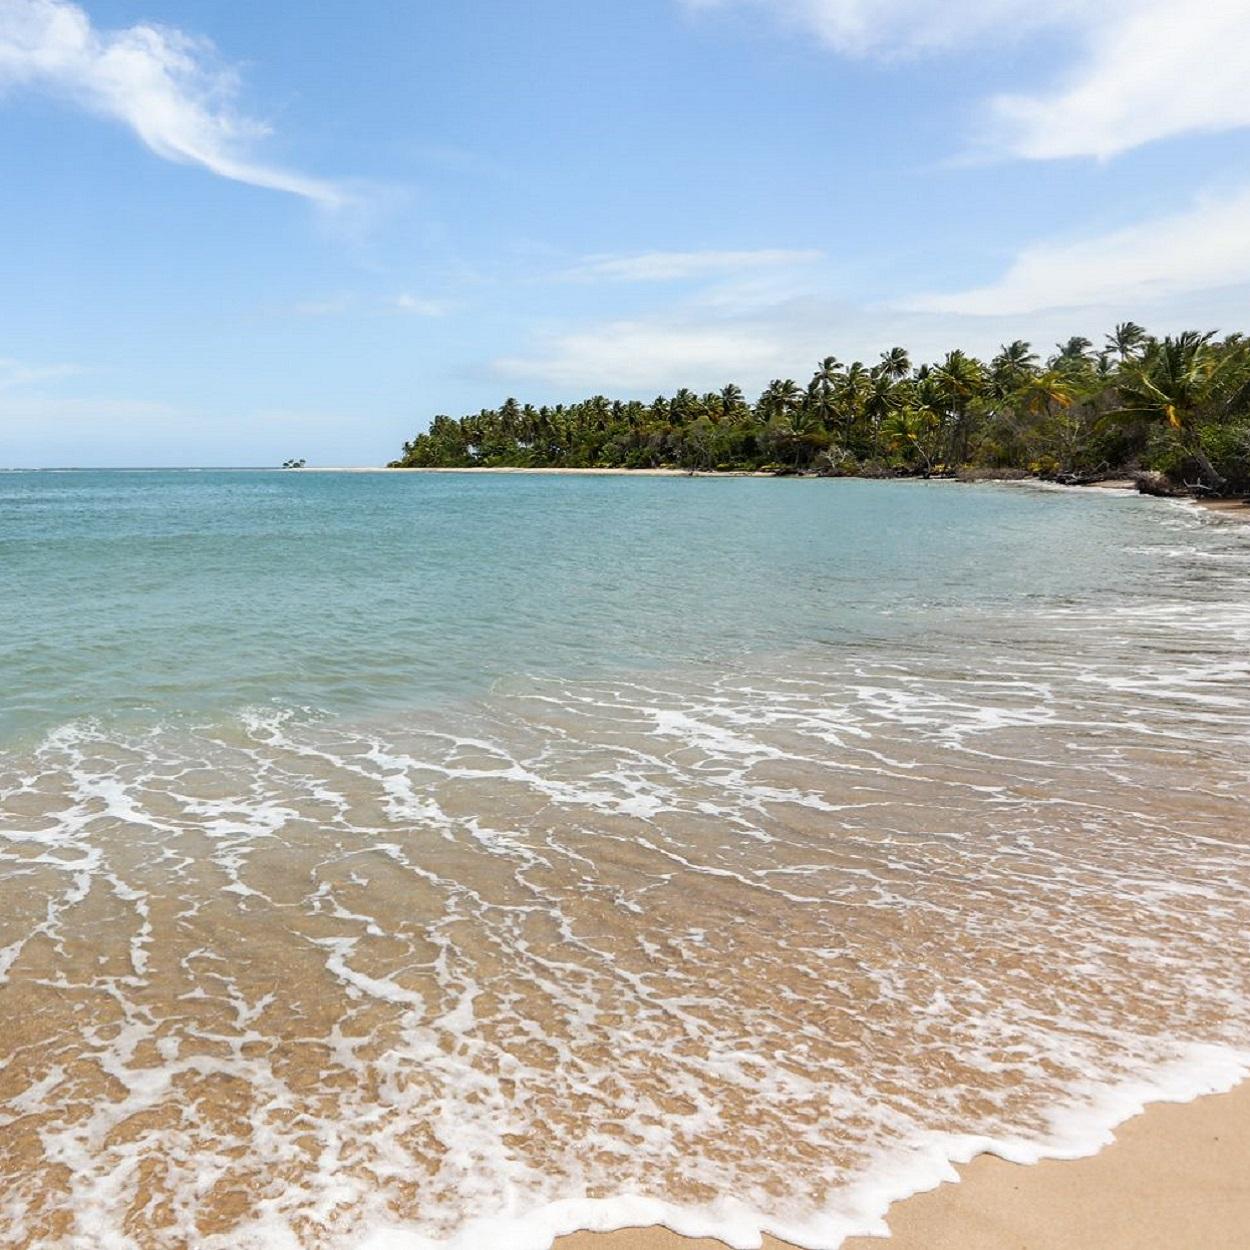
{"x": 894, "y": 27}
{"x": 673, "y": 266}
{"x": 1199, "y": 274}
{"x": 162, "y": 83}
{"x": 15, "y": 373}
{"x": 1151, "y": 69}
{"x": 646, "y": 354}
{"x": 405, "y": 303}
{"x": 1139, "y": 70}
{"x": 1204, "y": 246}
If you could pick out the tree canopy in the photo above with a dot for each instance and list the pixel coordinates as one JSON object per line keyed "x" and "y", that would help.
{"x": 1178, "y": 406}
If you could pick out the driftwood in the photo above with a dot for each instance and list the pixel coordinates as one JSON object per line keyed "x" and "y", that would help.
{"x": 1152, "y": 483}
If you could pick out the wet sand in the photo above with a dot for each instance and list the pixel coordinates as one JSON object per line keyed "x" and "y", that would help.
{"x": 1233, "y": 509}
{"x": 1176, "y": 1178}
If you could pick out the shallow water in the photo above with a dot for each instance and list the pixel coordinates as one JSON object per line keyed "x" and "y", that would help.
{"x": 396, "y": 861}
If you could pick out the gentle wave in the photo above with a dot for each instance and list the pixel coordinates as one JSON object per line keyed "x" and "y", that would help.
{"x": 745, "y": 951}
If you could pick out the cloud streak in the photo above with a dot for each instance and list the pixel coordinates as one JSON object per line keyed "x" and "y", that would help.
{"x": 14, "y": 373}
{"x": 676, "y": 266}
{"x": 158, "y": 81}
{"x": 894, "y": 27}
{"x": 1204, "y": 246}
{"x": 1152, "y": 69}
{"x": 640, "y": 355}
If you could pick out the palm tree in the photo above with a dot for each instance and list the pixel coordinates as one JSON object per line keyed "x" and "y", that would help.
{"x": 685, "y": 406}
{"x": 895, "y": 364}
{"x": 788, "y": 418}
{"x": 819, "y": 400}
{"x": 1126, "y": 340}
{"x": 779, "y": 397}
{"x": 732, "y": 402}
{"x": 827, "y": 371}
{"x": 910, "y": 429}
{"x": 1045, "y": 392}
{"x": 1172, "y": 385}
{"x": 1015, "y": 362}
{"x": 850, "y": 393}
{"x": 1076, "y": 348}
{"x": 958, "y": 381}
{"x": 885, "y": 394}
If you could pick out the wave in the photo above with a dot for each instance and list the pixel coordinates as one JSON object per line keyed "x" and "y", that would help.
{"x": 735, "y": 951}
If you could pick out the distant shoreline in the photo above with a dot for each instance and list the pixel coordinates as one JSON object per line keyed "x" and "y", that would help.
{"x": 1232, "y": 509}
{"x": 517, "y": 469}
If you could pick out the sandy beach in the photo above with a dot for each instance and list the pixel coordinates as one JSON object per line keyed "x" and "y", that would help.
{"x": 1233, "y": 509}
{"x": 1176, "y": 1178}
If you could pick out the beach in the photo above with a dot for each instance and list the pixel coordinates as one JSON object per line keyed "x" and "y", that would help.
{"x": 462, "y": 887}
{"x": 1231, "y": 509}
{"x": 1176, "y": 1177}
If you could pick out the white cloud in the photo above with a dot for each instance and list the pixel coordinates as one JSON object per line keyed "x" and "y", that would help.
{"x": 672, "y": 266}
{"x": 156, "y": 80}
{"x": 649, "y": 354}
{"x": 703, "y": 344}
{"x": 1152, "y": 69}
{"x": 1142, "y": 69}
{"x": 1205, "y": 246}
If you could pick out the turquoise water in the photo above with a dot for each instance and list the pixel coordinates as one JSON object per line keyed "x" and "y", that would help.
{"x": 144, "y": 593}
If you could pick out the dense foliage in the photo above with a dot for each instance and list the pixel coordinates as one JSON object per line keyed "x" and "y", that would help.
{"x": 1177, "y": 406}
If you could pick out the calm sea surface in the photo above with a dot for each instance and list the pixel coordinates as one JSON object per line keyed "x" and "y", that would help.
{"x": 394, "y": 861}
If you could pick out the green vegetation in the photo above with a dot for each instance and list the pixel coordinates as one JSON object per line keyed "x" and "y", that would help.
{"x": 1176, "y": 410}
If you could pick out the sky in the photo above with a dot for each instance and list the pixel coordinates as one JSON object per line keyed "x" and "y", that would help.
{"x": 232, "y": 234}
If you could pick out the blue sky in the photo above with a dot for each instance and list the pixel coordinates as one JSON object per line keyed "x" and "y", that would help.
{"x": 236, "y": 233}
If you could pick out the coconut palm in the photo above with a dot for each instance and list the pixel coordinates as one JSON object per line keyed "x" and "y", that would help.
{"x": 850, "y": 392}
{"x": 827, "y": 371}
{"x": 895, "y": 364}
{"x": 958, "y": 382}
{"x": 1174, "y": 383}
{"x": 1126, "y": 340}
{"x": 1014, "y": 364}
{"x": 1075, "y": 349}
{"x": 910, "y": 431}
{"x": 779, "y": 397}
{"x": 733, "y": 405}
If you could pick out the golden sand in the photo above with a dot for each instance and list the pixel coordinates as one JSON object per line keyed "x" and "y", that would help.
{"x": 1176, "y": 1178}
{"x": 1233, "y": 509}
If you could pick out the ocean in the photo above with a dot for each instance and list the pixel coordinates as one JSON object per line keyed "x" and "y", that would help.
{"x": 399, "y": 861}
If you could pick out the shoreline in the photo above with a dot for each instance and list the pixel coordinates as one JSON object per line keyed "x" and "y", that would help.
{"x": 1229, "y": 509}
{"x": 545, "y": 470}
{"x": 1175, "y": 1177}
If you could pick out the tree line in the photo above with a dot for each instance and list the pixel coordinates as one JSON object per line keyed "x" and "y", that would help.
{"x": 1176, "y": 408}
